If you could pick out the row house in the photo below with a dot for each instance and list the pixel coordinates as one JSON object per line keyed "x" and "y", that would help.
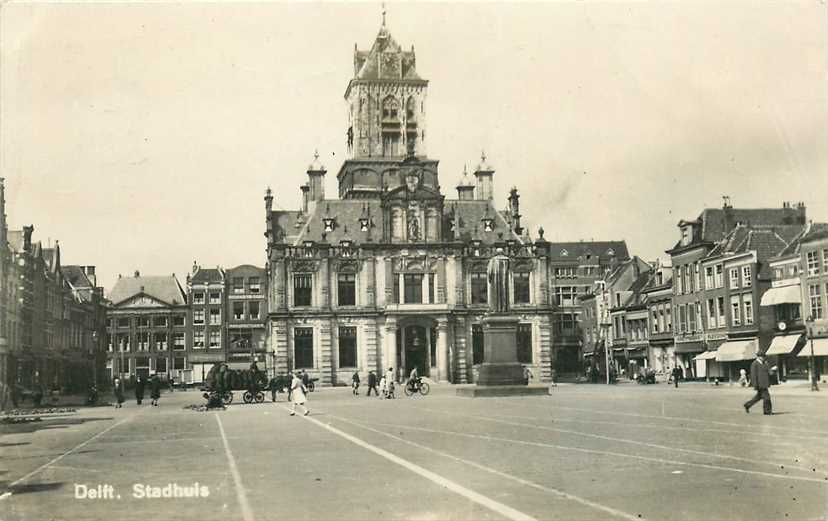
{"x": 720, "y": 272}
{"x": 206, "y": 341}
{"x": 658, "y": 297}
{"x": 53, "y": 317}
{"x": 392, "y": 273}
{"x": 147, "y": 328}
{"x": 574, "y": 268}
{"x": 605, "y": 325}
{"x": 246, "y": 312}
{"x": 797, "y": 300}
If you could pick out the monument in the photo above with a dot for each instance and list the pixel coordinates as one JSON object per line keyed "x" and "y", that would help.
{"x": 500, "y": 374}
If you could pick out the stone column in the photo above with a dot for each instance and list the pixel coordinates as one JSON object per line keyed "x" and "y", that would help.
{"x": 390, "y": 340}
{"x": 442, "y": 350}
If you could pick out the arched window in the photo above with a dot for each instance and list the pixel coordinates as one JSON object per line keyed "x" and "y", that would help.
{"x": 410, "y": 109}
{"x": 390, "y": 109}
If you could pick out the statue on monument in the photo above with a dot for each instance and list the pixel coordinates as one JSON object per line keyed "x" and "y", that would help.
{"x": 498, "y": 290}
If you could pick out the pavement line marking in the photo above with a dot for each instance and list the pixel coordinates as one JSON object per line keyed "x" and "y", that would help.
{"x": 495, "y": 506}
{"x": 611, "y": 438}
{"x": 611, "y": 453}
{"x": 561, "y": 493}
{"x": 241, "y": 495}
{"x": 68, "y": 452}
{"x": 731, "y": 424}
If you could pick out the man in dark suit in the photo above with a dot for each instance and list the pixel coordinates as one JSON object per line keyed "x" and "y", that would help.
{"x": 760, "y": 378}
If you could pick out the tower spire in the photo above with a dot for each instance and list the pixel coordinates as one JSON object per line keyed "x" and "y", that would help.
{"x": 383, "y": 14}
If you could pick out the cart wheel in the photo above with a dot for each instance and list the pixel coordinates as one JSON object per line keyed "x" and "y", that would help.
{"x": 311, "y": 387}
{"x": 424, "y": 388}
{"x": 259, "y": 397}
{"x": 227, "y": 398}
{"x": 248, "y": 397}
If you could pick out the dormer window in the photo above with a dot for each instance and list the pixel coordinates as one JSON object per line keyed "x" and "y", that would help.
{"x": 363, "y": 225}
{"x": 488, "y": 224}
{"x": 686, "y": 234}
{"x": 564, "y": 253}
{"x": 308, "y": 245}
{"x": 328, "y": 223}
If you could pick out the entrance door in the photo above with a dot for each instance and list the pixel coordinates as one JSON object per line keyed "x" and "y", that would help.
{"x": 416, "y": 350}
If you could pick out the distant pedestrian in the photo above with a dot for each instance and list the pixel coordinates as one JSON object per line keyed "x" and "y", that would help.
{"x": 383, "y": 387}
{"x": 118, "y": 389}
{"x": 155, "y": 389}
{"x": 372, "y": 383}
{"x": 676, "y": 375}
{"x": 273, "y": 385}
{"x": 389, "y": 389}
{"x": 527, "y": 374}
{"x": 760, "y": 378}
{"x": 743, "y": 380}
{"x": 355, "y": 383}
{"x": 139, "y": 390}
{"x": 305, "y": 379}
{"x": 299, "y": 392}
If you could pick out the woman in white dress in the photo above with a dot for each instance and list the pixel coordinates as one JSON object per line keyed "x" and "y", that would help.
{"x": 298, "y": 392}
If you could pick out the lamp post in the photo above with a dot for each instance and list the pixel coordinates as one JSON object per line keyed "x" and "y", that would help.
{"x": 811, "y": 359}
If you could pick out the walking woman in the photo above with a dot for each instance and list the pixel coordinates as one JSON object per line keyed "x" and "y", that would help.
{"x": 139, "y": 390}
{"x": 155, "y": 389}
{"x": 118, "y": 389}
{"x": 298, "y": 392}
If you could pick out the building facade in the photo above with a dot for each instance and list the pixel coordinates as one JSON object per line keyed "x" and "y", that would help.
{"x": 814, "y": 286}
{"x": 720, "y": 271}
{"x": 393, "y": 272}
{"x": 246, "y": 316}
{"x": 658, "y": 295}
{"x": 574, "y": 269}
{"x": 206, "y": 338}
{"x": 148, "y": 329}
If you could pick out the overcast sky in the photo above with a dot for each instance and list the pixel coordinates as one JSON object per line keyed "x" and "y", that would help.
{"x": 143, "y": 136}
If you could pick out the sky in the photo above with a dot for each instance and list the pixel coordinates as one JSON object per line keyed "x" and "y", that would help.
{"x": 142, "y": 136}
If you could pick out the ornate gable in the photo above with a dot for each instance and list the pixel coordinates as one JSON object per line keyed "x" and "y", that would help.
{"x": 142, "y": 301}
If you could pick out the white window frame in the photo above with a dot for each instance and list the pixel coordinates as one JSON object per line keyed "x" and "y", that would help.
{"x": 747, "y": 303}
{"x": 198, "y": 334}
{"x": 812, "y": 263}
{"x": 747, "y": 276}
{"x": 734, "y": 278}
{"x": 735, "y": 311}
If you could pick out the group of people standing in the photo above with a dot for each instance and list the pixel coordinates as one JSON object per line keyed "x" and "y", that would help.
{"x": 386, "y": 383}
{"x": 140, "y": 384}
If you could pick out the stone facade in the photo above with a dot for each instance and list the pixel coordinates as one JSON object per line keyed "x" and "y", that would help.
{"x": 393, "y": 272}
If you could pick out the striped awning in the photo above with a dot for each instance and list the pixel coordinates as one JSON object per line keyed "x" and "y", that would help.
{"x": 782, "y": 345}
{"x": 820, "y": 348}
{"x": 783, "y": 295}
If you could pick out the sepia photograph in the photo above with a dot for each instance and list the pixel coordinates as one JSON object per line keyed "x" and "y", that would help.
{"x": 480, "y": 260}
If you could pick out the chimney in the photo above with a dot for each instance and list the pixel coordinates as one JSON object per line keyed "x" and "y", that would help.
{"x": 465, "y": 188}
{"x": 305, "y": 189}
{"x": 729, "y": 223}
{"x": 485, "y": 177}
{"x": 268, "y": 198}
{"x": 514, "y": 210}
{"x": 195, "y": 266}
{"x": 90, "y": 274}
{"x": 316, "y": 179}
{"x": 27, "y": 237}
{"x": 802, "y": 214}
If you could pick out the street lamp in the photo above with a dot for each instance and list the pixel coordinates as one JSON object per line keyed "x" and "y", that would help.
{"x": 811, "y": 359}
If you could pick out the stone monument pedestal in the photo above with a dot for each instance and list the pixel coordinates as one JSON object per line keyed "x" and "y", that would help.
{"x": 500, "y": 374}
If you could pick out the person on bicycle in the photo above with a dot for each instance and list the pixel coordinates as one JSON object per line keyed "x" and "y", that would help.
{"x": 413, "y": 379}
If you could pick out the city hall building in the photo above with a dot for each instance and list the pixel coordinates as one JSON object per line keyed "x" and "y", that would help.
{"x": 392, "y": 272}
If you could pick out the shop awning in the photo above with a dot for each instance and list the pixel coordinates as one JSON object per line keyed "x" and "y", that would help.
{"x": 783, "y": 295}
{"x": 782, "y": 345}
{"x": 689, "y": 347}
{"x": 820, "y": 348}
{"x": 707, "y": 355}
{"x": 637, "y": 353}
{"x": 737, "y": 350}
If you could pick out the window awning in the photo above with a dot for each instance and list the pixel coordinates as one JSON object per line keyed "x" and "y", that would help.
{"x": 783, "y": 295}
{"x": 689, "y": 347}
{"x": 820, "y": 348}
{"x": 737, "y": 350}
{"x": 782, "y": 345}
{"x": 707, "y": 355}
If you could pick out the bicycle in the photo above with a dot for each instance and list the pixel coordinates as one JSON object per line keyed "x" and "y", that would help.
{"x": 250, "y": 397}
{"x": 417, "y": 386}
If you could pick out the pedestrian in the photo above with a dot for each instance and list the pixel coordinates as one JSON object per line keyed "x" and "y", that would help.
{"x": 527, "y": 374}
{"x": 273, "y": 385}
{"x": 139, "y": 390}
{"x": 355, "y": 383}
{"x": 389, "y": 382}
{"x": 372, "y": 383}
{"x": 676, "y": 374}
{"x": 389, "y": 390}
{"x": 299, "y": 392}
{"x": 383, "y": 387}
{"x": 155, "y": 389}
{"x": 760, "y": 378}
{"x": 305, "y": 379}
{"x": 743, "y": 381}
{"x": 118, "y": 389}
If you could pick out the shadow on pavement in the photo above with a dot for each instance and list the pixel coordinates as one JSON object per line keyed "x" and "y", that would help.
{"x": 52, "y": 423}
{"x": 27, "y": 488}
{"x": 14, "y": 444}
